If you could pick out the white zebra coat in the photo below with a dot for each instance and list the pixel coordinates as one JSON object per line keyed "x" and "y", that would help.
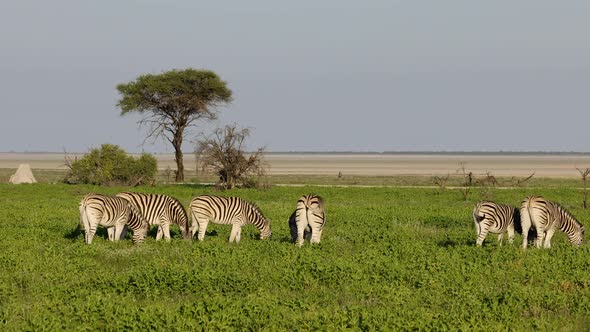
{"x": 308, "y": 219}
{"x": 546, "y": 217}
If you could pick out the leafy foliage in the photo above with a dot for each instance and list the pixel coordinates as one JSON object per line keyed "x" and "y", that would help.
{"x": 173, "y": 101}
{"x": 110, "y": 165}
{"x": 390, "y": 259}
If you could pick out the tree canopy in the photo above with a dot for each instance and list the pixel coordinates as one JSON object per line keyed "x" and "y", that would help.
{"x": 172, "y": 101}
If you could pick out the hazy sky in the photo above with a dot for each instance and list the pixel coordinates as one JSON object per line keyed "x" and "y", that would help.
{"x": 306, "y": 75}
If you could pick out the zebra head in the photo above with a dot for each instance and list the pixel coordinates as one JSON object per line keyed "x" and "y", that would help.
{"x": 580, "y": 234}
{"x": 265, "y": 232}
{"x": 179, "y": 216}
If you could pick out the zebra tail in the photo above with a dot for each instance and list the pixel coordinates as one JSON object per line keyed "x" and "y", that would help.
{"x": 84, "y": 220}
{"x": 478, "y": 218}
{"x": 187, "y": 229}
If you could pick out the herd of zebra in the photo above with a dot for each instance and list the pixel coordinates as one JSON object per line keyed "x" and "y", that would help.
{"x": 536, "y": 214}
{"x": 139, "y": 211}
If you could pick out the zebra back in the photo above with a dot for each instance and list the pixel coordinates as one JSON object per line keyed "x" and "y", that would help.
{"x": 496, "y": 216}
{"x": 159, "y": 208}
{"x": 225, "y": 210}
{"x": 106, "y": 209}
{"x": 312, "y": 207}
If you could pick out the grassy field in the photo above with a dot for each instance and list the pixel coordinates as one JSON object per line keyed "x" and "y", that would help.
{"x": 390, "y": 259}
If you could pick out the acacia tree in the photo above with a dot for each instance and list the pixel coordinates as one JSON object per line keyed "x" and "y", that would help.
{"x": 224, "y": 154}
{"x": 173, "y": 101}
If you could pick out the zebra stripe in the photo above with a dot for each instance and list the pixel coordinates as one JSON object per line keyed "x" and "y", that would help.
{"x": 546, "y": 217}
{"x": 308, "y": 219}
{"x": 490, "y": 217}
{"x": 226, "y": 211}
{"x": 112, "y": 212}
{"x": 161, "y": 210}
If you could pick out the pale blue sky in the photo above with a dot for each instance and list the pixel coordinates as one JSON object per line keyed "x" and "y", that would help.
{"x": 306, "y": 75}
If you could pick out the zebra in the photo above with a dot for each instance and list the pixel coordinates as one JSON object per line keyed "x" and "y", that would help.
{"x": 226, "y": 210}
{"x": 308, "y": 219}
{"x": 546, "y": 217}
{"x": 112, "y": 212}
{"x": 161, "y": 210}
{"x": 491, "y": 217}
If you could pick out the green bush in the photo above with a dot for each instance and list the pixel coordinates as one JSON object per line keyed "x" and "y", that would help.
{"x": 110, "y": 165}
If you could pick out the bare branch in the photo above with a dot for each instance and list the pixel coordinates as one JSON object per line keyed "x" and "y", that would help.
{"x": 223, "y": 154}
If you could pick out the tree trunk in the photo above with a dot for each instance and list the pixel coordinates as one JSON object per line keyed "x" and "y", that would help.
{"x": 177, "y": 143}
{"x": 585, "y": 194}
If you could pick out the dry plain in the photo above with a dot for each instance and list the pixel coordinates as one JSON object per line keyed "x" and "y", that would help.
{"x": 369, "y": 164}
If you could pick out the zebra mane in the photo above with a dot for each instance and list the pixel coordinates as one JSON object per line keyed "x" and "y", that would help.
{"x": 256, "y": 210}
{"x": 564, "y": 212}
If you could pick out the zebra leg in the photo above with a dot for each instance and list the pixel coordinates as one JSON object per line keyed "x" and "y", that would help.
{"x": 525, "y": 234}
{"x": 548, "y": 237}
{"x": 235, "y": 229}
{"x": 118, "y": 230}
{"x": 293, "y": 226}
{"x": 300, "y": 231}
{"x": 316, "y": 235}
{"x": 500, "y": 237}
{"x": 111, "y": 233}
{"x": 90, "y": 234}
{"x": 539, "y": 239}
{"x": 160, "y": 233}
{"x": 123, "y": 232}
{"x": 194, "y": 228}
{"x": 483, "y": 232}
{"x": 194, "y": 224}
{"x": 526, "y": 223}
{"x": 165, "y": 227}
{"x": 238, "y": 234}
{"x": 85, "y": 222}
{"x": 202, "y": 228}
{"x": 510, "y": 231}
{"x": 476, "y": 228}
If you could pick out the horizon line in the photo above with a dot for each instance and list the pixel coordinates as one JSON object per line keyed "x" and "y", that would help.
{"x": 402, "y": 152}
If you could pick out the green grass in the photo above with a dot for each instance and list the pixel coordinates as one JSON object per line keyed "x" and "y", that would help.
{"x": 390, "y": 259}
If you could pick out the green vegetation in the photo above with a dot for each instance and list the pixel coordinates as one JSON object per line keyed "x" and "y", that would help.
{"x": 167, "y": 176}
{"x": 111, "y": 165}
{"x": 390, "y": 259}
{"x": 173, "y": 101}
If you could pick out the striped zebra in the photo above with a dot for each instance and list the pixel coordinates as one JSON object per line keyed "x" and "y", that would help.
{"x": 490, "y": 217}
{"x": 308, "y": 219}
{"x": 160, "y": 210}
{"x": 112, "y": 212}
{"x": 546, "y": 217}
{"x": 226, "y": 211}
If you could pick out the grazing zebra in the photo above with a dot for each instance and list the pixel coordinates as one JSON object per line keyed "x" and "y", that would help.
{"x": 308, "y": 219}
{"x": 226, "y": 211}
{"x": 546, "y": 217}
{"x": 490, "y": 217}
{"x": 160, "y": 210}
{"x": 112, "y": 212}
